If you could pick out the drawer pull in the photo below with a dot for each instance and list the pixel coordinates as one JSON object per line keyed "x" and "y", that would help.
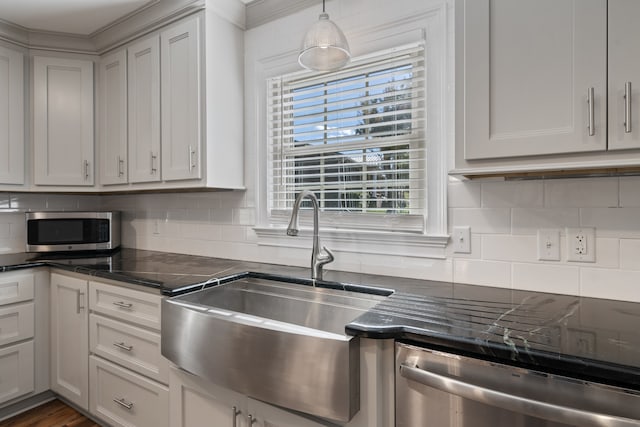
{"x": 123, "y": 346}
{"x": 123, "y": 304}
{"x": 124, "y": 403}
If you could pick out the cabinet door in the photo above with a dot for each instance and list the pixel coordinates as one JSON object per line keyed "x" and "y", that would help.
{"x": 63, "y": 121}
{"x": 624, "y": 74}
{"x": 113, "y": 115}
{"x": 70, "y": 339}
{"x": 196, "y": 403}
{"x": 144, "y": 110}
{"x": 269, "y": 416}
{"x": 528, "y": 69}
{"x": 181, "y": 133}
{"x": 11, "y": 116}
{"x": 16, "y": 371}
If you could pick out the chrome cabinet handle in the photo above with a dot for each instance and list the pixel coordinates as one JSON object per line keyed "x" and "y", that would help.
{"x": 522, "y": 405}
{"x": 627, "y": 107}
{"x": 590, "y": 96}
{"x": 123, "y": 304}
{"x": 78, "y": 306}
{"x": 120, "y": 165}
{"x": 234, "y": 418}
{"x": 123, "y": 346}
{"x": 86, "y": 170}
{"x": 154, "y": 169}
{"x": 124, "y": 403}
{"x": 192, "y": 152}
{"x": 251, "y": 419}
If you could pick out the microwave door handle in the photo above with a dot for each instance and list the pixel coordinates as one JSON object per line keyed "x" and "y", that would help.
{"x": 518, "y": 404}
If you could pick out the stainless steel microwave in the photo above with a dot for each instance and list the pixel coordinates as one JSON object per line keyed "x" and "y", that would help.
{"x": 72, "y": 231}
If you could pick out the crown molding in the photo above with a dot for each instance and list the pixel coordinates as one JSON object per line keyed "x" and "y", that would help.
{"x": 262, "y": 11}
{"x": 153, "y": 15}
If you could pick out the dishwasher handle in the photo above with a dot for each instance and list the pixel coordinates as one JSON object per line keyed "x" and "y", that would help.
{"x": 535, "y": 408}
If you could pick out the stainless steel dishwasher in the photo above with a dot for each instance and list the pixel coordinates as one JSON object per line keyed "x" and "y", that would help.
{"x": 436, "y": 389}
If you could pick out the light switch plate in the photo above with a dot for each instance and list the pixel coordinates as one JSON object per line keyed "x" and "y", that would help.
{"x": 462, "y": 240}
{"x": 549, "y": 245}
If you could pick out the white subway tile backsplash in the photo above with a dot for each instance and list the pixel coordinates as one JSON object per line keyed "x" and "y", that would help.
{"x": 630, "y": 192}
{"x": 244, "y": 216}
{"x": 512, "y": 194}
{"x": 464, "y": 194}
{"x": 610, "y": 284}
{"x": 559, "y": 279}
{"x": 612, "y": 222}
{"x": 5, "y": 230}
{"x": 601, "y": 192}
{"x": 233, "y": 233}
{"x": 528, "y": 221}
{"x": 607, "y": 253}
{"x": 481, "y": 220}
{"x": 480, "y": 272}
{"x": 509, "y": 248}
{"x": 630, "y": 254}
{"x": 222, "y": 215}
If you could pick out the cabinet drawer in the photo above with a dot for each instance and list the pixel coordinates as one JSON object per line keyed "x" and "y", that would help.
{"x": 122, "y": 398}
{"x": 129, "y": 346}
{"x": 16, "y": 287}
{"x": 16, "y": 323}
{"x": 16, "y": 371}
{"x": 126, "y": 304}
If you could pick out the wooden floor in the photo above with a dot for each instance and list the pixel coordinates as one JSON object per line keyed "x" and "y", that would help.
{"x": 51, "y": 414}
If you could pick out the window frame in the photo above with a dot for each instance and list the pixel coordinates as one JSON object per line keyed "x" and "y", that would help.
{"x": 430, "y": 23}
{"x": 282, "y": 144}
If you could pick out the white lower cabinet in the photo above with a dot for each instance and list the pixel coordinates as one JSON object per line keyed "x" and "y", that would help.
{"x": 16, "y": 371}
{"x": 123, "y": 398}
{"x": 70, "y": 339}
{"x": 196, "y": 403}
{"x": 105, "y": 342}
{"x": 24, "y": 335}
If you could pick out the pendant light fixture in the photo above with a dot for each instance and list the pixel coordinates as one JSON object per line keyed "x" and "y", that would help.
{"x": 324, "y": 47}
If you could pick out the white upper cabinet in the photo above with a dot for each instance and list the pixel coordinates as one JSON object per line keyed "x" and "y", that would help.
{"x": 63, "y": 121}
{"x": 11, "y": 116}
{"x": 534, "y": 77}
{"x": 113, "y": 119}
{"x": 144, "y": 110}
{"x": 547, "y": 85}
{"x": 180, "y": 100}
{"x": 624, "y": 74}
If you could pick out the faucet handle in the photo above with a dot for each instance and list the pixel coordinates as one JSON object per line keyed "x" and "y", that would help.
{"x": 325, "y": 256}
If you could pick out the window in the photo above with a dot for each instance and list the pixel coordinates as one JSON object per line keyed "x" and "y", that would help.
{"x": 356, "y": 138}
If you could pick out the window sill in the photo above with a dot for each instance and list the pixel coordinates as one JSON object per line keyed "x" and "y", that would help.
{"x": 359, "y": 241}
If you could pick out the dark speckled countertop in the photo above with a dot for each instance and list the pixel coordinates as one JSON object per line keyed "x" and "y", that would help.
{"x": 587, "y": 338}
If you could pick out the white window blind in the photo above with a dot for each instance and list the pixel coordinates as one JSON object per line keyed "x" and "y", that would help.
{"x": 356, "y": 138}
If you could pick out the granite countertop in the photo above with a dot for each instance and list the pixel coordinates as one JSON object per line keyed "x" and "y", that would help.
{"x": 587, "y": 338}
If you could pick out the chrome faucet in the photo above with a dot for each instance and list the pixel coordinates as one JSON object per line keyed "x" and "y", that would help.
{"x": 319, "y": 257}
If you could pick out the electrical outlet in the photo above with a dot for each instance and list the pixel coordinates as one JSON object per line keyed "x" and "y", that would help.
{"x": 581, "y": 244}
{"x": 549, "y": 245}
{"x": 462, "y": 240}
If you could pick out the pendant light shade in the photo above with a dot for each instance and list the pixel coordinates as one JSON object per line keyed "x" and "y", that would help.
{"x": 324, "y": 47}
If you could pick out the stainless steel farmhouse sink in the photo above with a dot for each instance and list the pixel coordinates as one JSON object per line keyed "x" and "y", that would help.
{"x": 282, "y": 343}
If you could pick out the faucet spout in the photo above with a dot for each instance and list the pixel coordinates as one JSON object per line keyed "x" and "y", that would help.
{"x": 320, "y": 255}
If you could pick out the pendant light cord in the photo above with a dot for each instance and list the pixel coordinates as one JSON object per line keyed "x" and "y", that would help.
{"x": 323, "y": 11}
